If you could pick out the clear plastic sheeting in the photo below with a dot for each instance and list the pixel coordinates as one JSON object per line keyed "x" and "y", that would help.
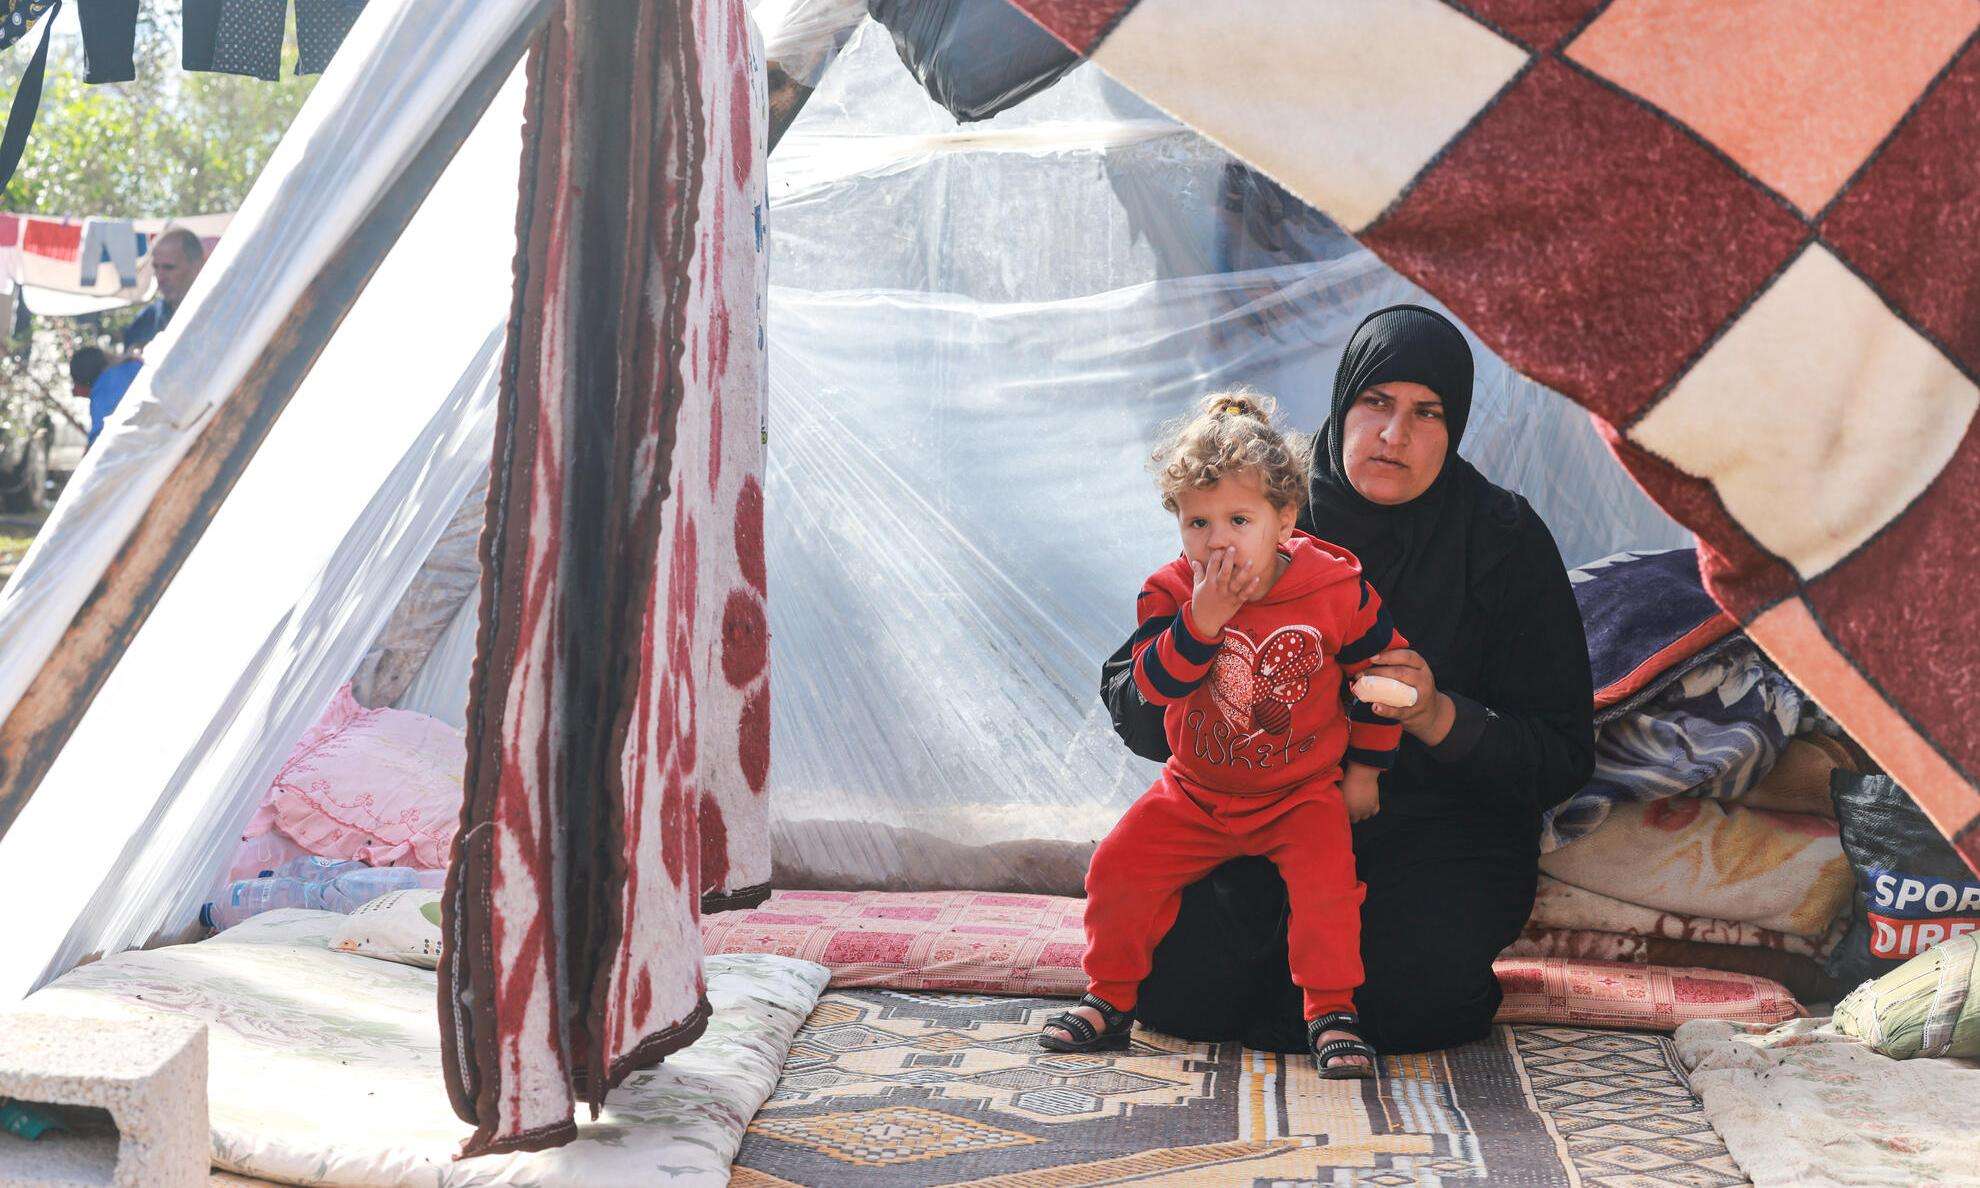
{"x": 440, "y": 689}
{"x": 398, "y": 74}
{"x": 974, "y": 337}
{"x": 289, "y": 584}
{"x": 178, "y": 859}
{"x": 449, "y": 578}
{"x": 800, "y": 35}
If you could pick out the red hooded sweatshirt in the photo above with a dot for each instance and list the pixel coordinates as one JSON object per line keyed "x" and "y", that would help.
{"x": 1263, "y": 707}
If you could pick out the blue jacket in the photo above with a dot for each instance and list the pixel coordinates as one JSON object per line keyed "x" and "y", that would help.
{"x": 108, "y": 389}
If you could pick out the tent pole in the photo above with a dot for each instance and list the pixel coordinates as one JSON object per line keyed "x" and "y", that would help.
{"x": 41, "y": 722}
{"x": 788, "y": 96}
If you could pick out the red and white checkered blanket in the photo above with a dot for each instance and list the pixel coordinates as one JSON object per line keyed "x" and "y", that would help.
{"x": 1745, "y": 236}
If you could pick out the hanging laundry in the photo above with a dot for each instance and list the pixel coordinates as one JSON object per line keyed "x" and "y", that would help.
{"x": 59, "y": 262}
{"x": 199, "y": 25}
{"x": 57, "y": 239}
{"x": 321, "y": 26}
{"x": 19, "y": 16}
{"x": 245, "y": 36}
{"x": 109, "y": 37}
{"x": 111, "y": 241}
{"x": 16, "y": 18}
{"x": 249, "y": 39}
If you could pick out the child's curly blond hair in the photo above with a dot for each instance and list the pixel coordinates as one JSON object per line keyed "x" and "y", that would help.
{"x": 1231, "y": 432}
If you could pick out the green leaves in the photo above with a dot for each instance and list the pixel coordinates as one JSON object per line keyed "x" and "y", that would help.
{"x": 169, "y": 143}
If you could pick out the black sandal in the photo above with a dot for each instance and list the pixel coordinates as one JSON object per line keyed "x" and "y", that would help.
{"x": 1120, "y": 1027}
{"x": 1349, "y": 1022}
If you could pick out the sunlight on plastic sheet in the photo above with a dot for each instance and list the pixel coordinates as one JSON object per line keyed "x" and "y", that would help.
{"x": 975, "y": 335}
{"x": 160, "y": 738}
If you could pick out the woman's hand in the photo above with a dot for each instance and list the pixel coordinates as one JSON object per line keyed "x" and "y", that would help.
{"x": 1431, "y": 717}
{"x": 1222, "y": 586}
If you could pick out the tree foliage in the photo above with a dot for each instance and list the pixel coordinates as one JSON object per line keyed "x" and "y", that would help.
{"x": 168, "y": 143}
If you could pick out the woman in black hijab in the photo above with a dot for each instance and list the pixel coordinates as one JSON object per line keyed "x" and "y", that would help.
{"x": 1501, "y": 731}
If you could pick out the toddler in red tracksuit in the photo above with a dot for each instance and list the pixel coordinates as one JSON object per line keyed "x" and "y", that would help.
{"x": 1249, "y": 640}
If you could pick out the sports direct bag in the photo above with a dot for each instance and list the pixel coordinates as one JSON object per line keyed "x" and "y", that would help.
{"x": 1912, "y": 890}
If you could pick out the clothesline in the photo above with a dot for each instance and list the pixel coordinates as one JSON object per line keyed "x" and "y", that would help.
{"x": 63, "y": 266}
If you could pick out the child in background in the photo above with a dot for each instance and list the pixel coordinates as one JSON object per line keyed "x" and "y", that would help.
{"x": 1248, "y": 639}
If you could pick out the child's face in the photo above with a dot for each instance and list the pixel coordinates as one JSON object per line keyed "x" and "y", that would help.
{"x": 1233, "y": 514}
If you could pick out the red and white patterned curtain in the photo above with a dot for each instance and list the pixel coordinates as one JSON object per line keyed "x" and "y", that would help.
{"x": 618, "y": 721}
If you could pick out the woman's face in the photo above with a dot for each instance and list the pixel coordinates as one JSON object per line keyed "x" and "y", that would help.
{"x": 1393, "y": 442}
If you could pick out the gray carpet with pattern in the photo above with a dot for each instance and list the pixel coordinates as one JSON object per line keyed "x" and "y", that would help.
{"x": 890, "y": 1087}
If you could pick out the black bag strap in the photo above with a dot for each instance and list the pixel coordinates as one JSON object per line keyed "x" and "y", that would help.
{"x": 27, "y": 101}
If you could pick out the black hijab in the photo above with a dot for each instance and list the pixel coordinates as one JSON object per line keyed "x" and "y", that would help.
{"x": 1424, "y": 556}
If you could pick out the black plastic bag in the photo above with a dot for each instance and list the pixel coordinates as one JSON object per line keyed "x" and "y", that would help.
{"x": 974, "y": 57}
{"x": 1912, "y": 890}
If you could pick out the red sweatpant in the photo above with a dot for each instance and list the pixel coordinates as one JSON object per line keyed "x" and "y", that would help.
{"x": 1174, "y": 835}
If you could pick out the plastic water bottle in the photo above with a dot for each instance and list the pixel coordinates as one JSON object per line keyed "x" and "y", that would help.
{"x": 352, "y": 889}
{"x": 313, "y": 868}
{"x": 322, "y": 884}
{"x": 251, "y": 897}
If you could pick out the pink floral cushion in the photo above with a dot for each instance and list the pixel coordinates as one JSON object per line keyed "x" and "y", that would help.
{"x": 983, "y": 943}
{"x": 972, "y": 941}
{"x": 1638, "y": 997}
{"x": 382, "y": 786}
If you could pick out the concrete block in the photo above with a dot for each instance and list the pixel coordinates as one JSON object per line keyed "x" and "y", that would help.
{"x": 149, "y": 1074}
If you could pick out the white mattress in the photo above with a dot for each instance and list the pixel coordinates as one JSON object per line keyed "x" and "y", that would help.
{"x": 325, "y": 1066}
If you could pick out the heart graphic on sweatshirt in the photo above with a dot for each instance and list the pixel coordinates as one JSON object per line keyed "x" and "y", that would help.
{"x": 1255, "y": 685}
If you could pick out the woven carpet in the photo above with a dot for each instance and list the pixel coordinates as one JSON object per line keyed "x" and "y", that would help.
{"x": 887, "y": 1087}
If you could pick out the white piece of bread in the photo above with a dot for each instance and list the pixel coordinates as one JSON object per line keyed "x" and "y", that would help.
{"x": 1381, "y": 690}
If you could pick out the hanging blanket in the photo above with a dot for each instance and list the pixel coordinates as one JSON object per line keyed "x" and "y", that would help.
{"x": 1763, "y": 280}
{"x": 618, "y": 702}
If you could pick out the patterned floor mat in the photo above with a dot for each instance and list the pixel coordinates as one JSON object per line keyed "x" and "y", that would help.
{"x": 887, "y": 1087}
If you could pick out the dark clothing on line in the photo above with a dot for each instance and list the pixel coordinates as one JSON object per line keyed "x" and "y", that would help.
{"x": 321, "y": 26}
{"x": 109, "y": 35}
{"x": 245, "y": 36}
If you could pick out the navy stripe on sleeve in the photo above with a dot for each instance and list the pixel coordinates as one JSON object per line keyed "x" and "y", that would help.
{"x": 1378, "y": 759}
{"x": 1189, "y": 647}
{"x": 1159, "y": 677}
{"x": 1375, "y": 641}
{"x": 1149, "y": 630}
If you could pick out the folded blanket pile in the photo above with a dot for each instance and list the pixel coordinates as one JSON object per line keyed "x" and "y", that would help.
{"x": 1706, "y": 836}
{"x": 1582, "y": 925}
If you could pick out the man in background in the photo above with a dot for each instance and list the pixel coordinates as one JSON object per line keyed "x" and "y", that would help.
{"x": 93, "y": 378}
{"x": 176, "y": 259}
